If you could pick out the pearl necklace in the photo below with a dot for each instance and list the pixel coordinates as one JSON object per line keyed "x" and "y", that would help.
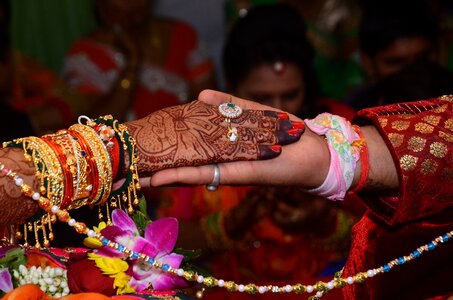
{"x": 320, "y": 288}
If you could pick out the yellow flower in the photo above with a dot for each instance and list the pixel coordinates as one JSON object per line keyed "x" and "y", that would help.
{"x": 115, "y": 268}
{"x": 93, "y": 242}
{"x": 122, "y": 284}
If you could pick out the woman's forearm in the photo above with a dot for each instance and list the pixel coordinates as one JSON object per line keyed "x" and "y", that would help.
{"x": 14, "y": 206}
{"x": 383, "y": 174}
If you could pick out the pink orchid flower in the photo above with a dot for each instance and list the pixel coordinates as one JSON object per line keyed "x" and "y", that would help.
{"x": 158, "y": 242}
{"x": 6, "y": 282}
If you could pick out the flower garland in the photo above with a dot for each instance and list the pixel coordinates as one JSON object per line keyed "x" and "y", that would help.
{"x": 147, "y": 265}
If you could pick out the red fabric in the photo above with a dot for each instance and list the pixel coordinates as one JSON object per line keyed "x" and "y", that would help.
{"x": 183, "y": 66}
{"x": 84, "y": 276}
{"x": 270, "y": 256}
{"x": 336, "y": 107}
{"x": 35, "y": 86}
{"x": 419, "y": 136}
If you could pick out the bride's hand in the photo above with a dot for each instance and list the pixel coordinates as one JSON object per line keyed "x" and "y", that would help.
{"x": 196, "y": 134}
{"x": 302, "y": 163}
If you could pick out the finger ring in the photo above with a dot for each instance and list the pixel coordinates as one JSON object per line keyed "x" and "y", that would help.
{"x": 212, "y": 187}
{"x": 230, "y": 110}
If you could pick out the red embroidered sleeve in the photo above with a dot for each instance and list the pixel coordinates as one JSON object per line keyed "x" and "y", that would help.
{"x": 420, "y": 138}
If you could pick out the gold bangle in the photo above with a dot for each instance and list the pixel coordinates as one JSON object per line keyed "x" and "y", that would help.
{"x": 49, "y": 174}
{"x": 49, "y": 171}
{"x": 102, "y": 161}
{"x": 127, "y": 194}
{"x": 63, "y": 146}
{"x": 82, "y": 185}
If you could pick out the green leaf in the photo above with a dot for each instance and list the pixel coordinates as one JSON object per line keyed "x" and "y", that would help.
{"x": 188, "y": 254}
{"x": 13, "y": 258}
{"x": 196, "y": 269}
{"x": 140, "y": 216}
{"x": 142, "y": 206}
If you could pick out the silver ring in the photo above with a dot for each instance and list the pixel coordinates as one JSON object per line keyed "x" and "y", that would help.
{"x": 212, "y": 187}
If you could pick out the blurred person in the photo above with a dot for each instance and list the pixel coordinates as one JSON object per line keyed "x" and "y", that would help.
{"x": 391, "y": 38}
{"x": 274, "y": 62}
{"x": 333, "y": 31}
{"x": 133, "y": 63}
{"x": 423, "y": 79}
{"x": 254, "y": 231}
{"x": 211, "y": 27}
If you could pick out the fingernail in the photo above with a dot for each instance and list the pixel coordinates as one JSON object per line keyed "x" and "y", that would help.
{"x": 276, "y": 148}
{"x": 267, "y": 152}
{"x": 295, "y": 131}
{"x": 288, "y": 136}
{"x": 299, "y": 125}
{"x": 283, "y": 116}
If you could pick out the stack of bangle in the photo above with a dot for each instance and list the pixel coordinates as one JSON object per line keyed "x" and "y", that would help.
{"x": 77, "y": 167}
{"x": 346, "y": 147}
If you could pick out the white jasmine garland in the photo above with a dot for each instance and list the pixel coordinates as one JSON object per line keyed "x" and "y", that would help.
{"x": 52, "y": 281}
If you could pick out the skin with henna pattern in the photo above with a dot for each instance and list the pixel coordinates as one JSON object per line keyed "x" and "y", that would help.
{"x": 186, "y": 135}
{"x": 196, "y": 134}
{"x": 14, "y": 206}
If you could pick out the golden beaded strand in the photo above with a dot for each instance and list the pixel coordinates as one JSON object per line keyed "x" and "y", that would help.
{"x": 319, "y": 288}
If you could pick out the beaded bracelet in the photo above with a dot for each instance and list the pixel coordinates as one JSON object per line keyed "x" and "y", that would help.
{"x": 320, "y": 288}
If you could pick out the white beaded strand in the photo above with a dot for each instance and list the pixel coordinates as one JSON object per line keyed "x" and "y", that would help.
{"x": 320, "y": 288}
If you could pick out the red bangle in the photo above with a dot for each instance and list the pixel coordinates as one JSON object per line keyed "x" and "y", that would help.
{"x": 364, "y": 157}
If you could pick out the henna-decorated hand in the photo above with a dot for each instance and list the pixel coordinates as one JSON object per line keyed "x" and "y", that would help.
{"x": 196, "y": 134}
{"x": 303, "y": 163}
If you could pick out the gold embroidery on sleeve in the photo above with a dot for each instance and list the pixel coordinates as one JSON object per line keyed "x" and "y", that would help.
{"x": 396, "y": 139}
{"x": 428, "y": 167}
{"x": 449, "y": 124}
{"x": 440, "y": 109}
{"x": 438, "y": 149}
{"x": 423, "y": 128}
{"x": 383, "y": 122}
{"x": 406, "y": 116}
{"x": 446, "y": 97}
{"x": 408, "y": 162}
{"x": 400, "y": 125}
{"x": 446, "y": 136}
{"x": 432, "y": 119}
{"x": 416, "y": 143}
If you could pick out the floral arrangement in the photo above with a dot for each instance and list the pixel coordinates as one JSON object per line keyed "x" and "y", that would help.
{"x": 99, "y": 268}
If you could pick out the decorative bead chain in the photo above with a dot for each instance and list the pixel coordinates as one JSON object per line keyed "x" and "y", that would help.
{"x": 320, "y": 287}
